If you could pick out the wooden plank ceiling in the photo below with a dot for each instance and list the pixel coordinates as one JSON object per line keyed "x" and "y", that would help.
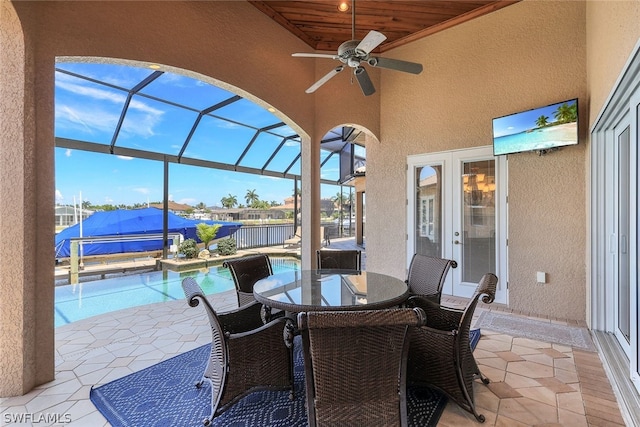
{"x": 323, "y": 27}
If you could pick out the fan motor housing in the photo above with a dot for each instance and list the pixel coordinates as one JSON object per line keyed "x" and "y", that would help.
{"x": 348, "y": 49}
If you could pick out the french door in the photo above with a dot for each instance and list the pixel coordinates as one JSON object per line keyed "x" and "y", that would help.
{"x": 615, "y": 297}
{"x": 457, "y": 210}
{"x": 621, "y": 237}
{"x": 622, "y": 265}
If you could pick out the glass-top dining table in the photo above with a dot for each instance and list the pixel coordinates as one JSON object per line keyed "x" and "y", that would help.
{"x": 323, "y": 290}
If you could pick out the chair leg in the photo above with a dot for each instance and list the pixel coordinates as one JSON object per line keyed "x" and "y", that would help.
{"x": 469, "y": 403}
{"x": 471, "y": 406}
{"x": 484, "y": 379}
{"x": 479, "y": 374}
{"x": 207, "y": 420}
{"x": 289, "y": 334}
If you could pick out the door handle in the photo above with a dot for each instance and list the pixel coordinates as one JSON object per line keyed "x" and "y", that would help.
{"x": 456, "y": 242}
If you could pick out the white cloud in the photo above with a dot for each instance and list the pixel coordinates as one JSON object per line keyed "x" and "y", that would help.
{"x": 86, "y": 118}
{"x": 80, "y": 113}
{"x": 223, "y": 124}
{"x": 68, "y": 152}
{"x": 59, "y": 195}
{"x": 142, "y": 190}
{"x": 136, "y": 104}
{"x": 90, "y": 92}
{"x": 125, "y": 157}
{"x": 188, "y": 201}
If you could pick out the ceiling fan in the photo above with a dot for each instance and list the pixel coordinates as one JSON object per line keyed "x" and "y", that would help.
{"x": 353, "y": 53}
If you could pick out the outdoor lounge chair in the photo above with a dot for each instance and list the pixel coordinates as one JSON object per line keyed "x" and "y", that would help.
{"x": 440, "y": 354}
{"x": 245, "y": 272}
{"x": 246, "y": 355}
{"x": 293, "y": 240}
{"x": 427, "y": 276}
{"x": 355, "y": 366}
{"x": 339, "y": 259}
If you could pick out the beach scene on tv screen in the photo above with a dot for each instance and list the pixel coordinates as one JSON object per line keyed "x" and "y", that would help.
{"x": 542, "y": 128}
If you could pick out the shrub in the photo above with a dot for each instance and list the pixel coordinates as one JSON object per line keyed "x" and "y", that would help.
{"x": 227, "y": 246}
{"x": 189, "y": 249}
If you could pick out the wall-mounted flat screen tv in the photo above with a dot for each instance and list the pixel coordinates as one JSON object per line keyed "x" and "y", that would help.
{"x": 541, "y": 129}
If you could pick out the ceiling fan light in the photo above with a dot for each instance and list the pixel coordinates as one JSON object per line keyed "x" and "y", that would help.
{"x": 343, "y": 6}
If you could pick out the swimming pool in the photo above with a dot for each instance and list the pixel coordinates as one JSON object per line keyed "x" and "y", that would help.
{"x": 83, "y": 300}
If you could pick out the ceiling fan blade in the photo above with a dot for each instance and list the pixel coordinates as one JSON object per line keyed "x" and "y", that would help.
{"x": 396, "y": 64}
{"x": 370, "y": 42}
{"x": 324, "y": 79}
{"x": 315, "y": 55}
{"x": 364, "y": 81}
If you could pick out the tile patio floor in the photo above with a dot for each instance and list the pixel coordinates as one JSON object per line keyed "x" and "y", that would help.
{"x": 534, "y": 383}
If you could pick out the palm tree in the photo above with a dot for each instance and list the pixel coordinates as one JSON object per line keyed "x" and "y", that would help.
{"x": 339, "y": 199}
{"x": 201, "y": 205}
{"x": 542, "y": 121}
{"x": 251, "y": 197}
{"x": 229, "y": 201}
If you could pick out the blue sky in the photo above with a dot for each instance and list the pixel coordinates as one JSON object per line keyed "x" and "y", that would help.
{"x": 106, "y": 179}
{"x": 89, "y": 111}
{"x": 519, "y": 122}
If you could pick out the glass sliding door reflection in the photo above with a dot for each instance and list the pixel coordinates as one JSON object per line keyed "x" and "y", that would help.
{"x": 428, "y": 230}
{"x": 478, "y": 188}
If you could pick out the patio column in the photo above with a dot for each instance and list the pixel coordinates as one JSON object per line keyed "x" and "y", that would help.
{"x": 310, "y": 201}
{"x": 26, "y": 213}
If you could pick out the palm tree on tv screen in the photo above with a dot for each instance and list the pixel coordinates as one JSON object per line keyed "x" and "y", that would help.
{"x": 566, "y": 113}
{"x": 542, "y": 121}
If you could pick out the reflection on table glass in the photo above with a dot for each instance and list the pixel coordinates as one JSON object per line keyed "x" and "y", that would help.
{"x": 323, "y": 290}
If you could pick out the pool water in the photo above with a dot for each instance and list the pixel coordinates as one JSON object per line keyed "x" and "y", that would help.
{"x": 83, "y": 300}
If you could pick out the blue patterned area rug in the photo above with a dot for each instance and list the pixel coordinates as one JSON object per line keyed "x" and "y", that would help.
{"x": 164, "y": 395}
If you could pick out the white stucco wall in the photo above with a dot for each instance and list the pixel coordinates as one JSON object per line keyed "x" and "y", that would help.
{"x": 526, "y": 55}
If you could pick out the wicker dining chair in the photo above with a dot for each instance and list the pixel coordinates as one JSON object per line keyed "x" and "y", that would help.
{"x": 440, "y": 354}
{"x": 427, "y": 275}
{"x": 246, "y": 355}
{"x": 339, "y": 259}
{"x": 245, "y": 272}
{"x": 355, "y": 366}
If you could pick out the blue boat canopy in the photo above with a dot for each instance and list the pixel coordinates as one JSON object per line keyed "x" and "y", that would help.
{"x": 129, "y": 228}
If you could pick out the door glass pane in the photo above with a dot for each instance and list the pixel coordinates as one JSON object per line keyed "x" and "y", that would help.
{"x": 428, "y": 236}
{"x": 624, "y": 289}
{"x": 636, "y": 164}
{"x": 478, "y": 220}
